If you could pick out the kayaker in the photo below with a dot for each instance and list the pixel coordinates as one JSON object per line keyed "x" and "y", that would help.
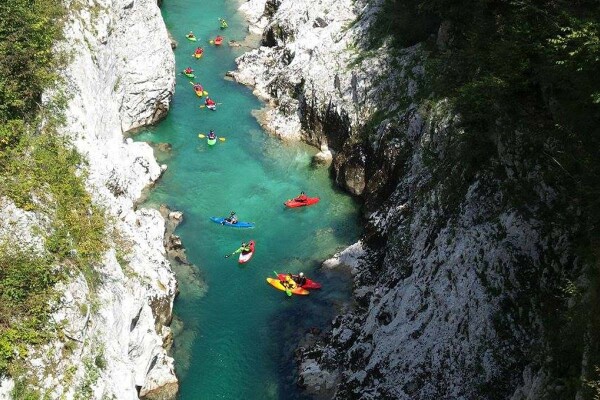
{"x": 245, "y": 249}
{"x": 188, "y": 70}
{"x": 302, "y": 197}
{"x": 198, "y": 87}
{"x": 223, "y": 23}
{"x": 199, "y": 50}
{"x": 212, "y": 135}
{"x": 190, "y": 35}
{"x": 209, "y": 103}
{"x": 232, "y": 219}
{"x": 219, "y": 39}
{"x": 300, "y": 279}
{"x": 289, "y": 282}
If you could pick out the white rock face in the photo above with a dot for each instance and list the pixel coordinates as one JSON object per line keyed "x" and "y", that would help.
{"x": 306, "y": 65}
{"x": 449, "y": 296}
{"x": 254, "y": 13}
{"x": 121, "y": 77}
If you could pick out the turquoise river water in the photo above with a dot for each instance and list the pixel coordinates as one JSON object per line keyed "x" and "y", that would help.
{"x": 239, "y": 333}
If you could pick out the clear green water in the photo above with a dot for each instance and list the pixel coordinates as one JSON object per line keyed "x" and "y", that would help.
{"x": 239, "y": 333}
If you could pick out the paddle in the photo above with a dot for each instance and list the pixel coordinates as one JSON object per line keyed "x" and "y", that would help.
{"x": 202, "y": 136}
{"x": 204, "y": 105}
{"x": 287, "y": 289}
{"x": 229, "y": 255}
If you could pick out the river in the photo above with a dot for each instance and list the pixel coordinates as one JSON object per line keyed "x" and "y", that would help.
{"x": 239, "y": 333}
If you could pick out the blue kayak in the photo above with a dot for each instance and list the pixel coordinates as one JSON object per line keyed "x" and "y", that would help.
{"x": 239, "y": 224}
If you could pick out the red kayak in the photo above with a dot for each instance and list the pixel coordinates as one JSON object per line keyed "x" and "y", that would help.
{"x": 310, "y": 284}
{"x": 293, "y": 203}
{"x": 218, "y": 40}
{"x": 245, "y": 257}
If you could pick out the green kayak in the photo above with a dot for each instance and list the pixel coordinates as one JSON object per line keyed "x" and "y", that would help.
{"x": 188, "y": 75}
{"x": 211, "y": 142}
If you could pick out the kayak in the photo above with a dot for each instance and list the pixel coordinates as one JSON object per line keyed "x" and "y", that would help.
{"x": 276, "y": 283}
{"x": 201, "y": 93}
{"x": 188, "y": 75}
{"x": 218, "y": 41}
{"x": 212, "y": 107}
{"x": 240, "y": 224}
{"x": 310, "y": 284}
{"x": 211, "y": 142}
{"x": 245, "y": 257}
{"x": 292, "y": 203}
{"x": 197, "y": 55}
{"x": 192, "y": 38}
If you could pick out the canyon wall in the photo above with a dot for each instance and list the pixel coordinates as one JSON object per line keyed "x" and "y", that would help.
{"x": 460, "y": 277}
{"x": 114, "y": 337}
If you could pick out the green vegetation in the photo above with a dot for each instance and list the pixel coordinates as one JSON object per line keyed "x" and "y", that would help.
{"x": 523, "y": 76}
{"x": 40, "y": 172}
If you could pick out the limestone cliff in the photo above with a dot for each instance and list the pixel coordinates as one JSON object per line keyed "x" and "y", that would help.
{"x": 120, "y": 76}
{"x": 458, "y": 287}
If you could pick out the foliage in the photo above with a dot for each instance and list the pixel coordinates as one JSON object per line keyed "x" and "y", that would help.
{"x": 28, "y": 31}
{"x": 26, "y": 283}
{"x": 523, "y": 76}
{"x": 404, "y": 21}
{"x": 22, "y": 391}
{"x": 39, "y": 171}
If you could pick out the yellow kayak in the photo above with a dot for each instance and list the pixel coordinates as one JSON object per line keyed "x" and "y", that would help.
{"x": 276, "y": 283}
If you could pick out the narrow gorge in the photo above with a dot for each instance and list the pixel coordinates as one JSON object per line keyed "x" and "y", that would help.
{"x": 463, "y": 267}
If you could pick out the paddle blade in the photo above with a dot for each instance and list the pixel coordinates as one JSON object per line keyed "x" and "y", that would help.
{"x": 222, "y": 139}
{"x": 288, "y": 292}
{"x": 205, "y": 93}
{"x": 201, "y": 135}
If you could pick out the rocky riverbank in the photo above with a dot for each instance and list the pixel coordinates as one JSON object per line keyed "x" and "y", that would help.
{"x": 117, "y": 335}
{"x": 452, "y": 280}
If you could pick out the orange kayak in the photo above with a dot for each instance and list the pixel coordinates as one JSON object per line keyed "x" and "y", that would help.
{"x": 276, "y": 283}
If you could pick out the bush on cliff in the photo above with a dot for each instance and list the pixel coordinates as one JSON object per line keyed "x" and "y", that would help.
{"x": 40, "y": 172}
{"x": 524, "y": 77}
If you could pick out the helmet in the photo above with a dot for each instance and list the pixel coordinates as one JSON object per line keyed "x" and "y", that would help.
{"x": 301, "y": 192}
{"x": 301, "y": 274}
